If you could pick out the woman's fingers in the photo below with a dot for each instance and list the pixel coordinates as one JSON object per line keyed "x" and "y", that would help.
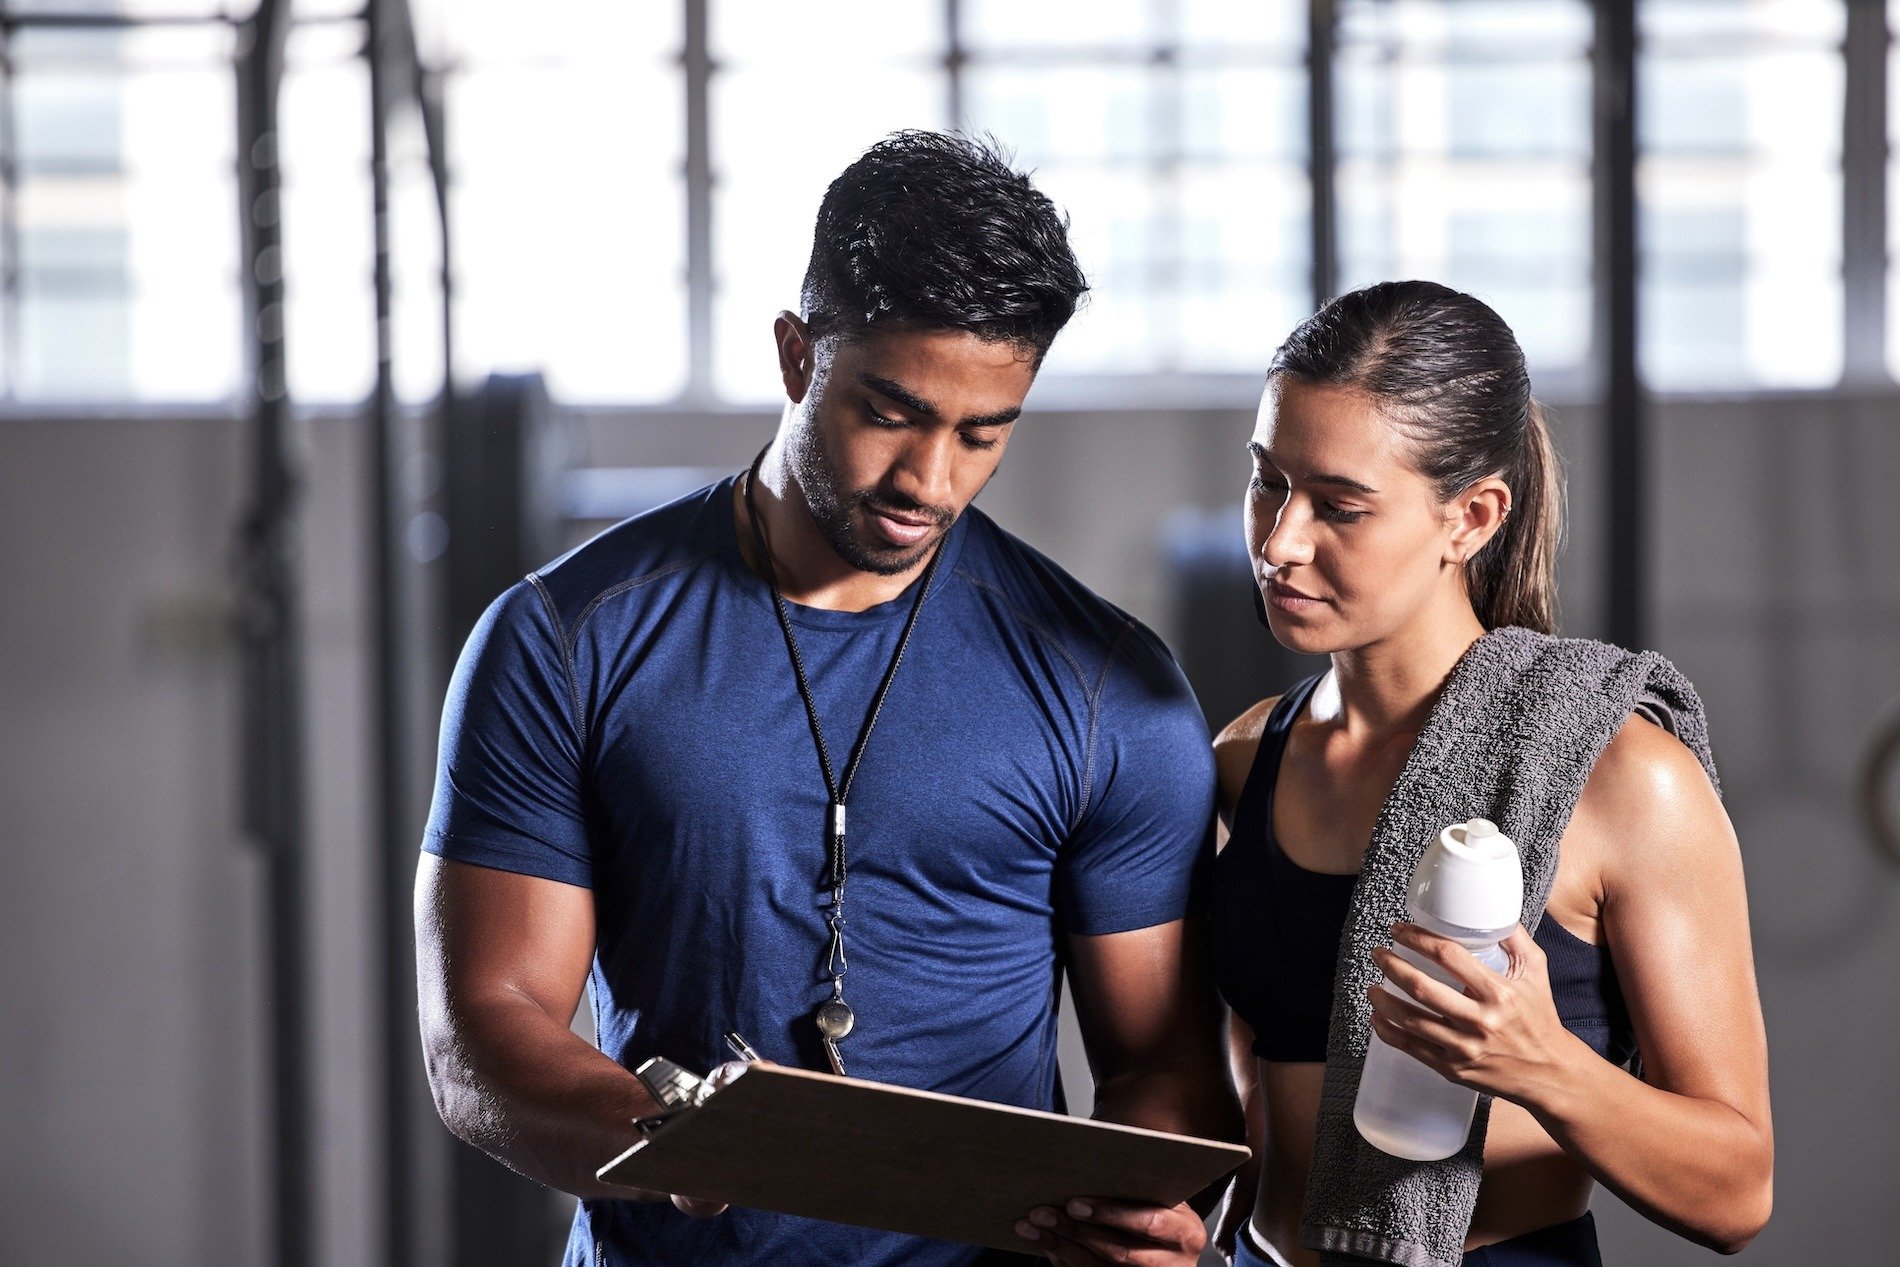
{"x": 1429, "y": 1053}
{"x": 1428, "y": 990}
{"x": 1527, "y": 957}
{"x": 1478, "y": 981}
{"x": 1415, "y": 1021}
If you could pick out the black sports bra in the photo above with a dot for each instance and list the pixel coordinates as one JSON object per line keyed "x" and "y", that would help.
{"x": 1277, "y": 925}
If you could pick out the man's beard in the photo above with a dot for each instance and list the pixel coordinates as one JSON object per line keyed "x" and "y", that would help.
{"x": 834, "y": 509}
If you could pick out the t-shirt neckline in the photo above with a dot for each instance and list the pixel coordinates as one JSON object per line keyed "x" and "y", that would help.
{"x": 755, "y": 588}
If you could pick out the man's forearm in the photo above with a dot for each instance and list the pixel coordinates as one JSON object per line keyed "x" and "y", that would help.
{"x": 1186, "y": 1100}
{"x": 527, "y": 1090}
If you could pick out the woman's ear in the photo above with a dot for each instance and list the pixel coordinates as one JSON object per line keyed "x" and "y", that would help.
{"x": 1477, "y": 515}
{"x": 795, "y": 355}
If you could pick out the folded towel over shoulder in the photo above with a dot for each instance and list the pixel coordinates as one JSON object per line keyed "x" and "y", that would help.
{"x": 1512, "y": 738}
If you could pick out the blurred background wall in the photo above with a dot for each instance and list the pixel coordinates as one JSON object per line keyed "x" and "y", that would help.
{"x": 319, "y": 323}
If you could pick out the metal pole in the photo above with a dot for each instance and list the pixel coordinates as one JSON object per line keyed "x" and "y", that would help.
{"x": 9, "y": 225}
{"x": 1614, "y": 56}
{"x": 387, "y": 715}
{"x": 1321, "y": 147}
{"x": 697, "y": 61}
{"x": 954, "y": 57}
{"x": 1864, "y": 195}
{"x": 270, "y": 628}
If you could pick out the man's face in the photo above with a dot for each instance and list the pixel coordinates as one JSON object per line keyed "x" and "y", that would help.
{"x": 897, "y": 433}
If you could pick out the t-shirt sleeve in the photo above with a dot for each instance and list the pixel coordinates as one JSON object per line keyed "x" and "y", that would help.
{"x": 508, "y": 788}
{"x": 1132, "y": 860}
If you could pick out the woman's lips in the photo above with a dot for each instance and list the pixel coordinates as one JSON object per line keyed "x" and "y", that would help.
{"x": 1288, "y": 599}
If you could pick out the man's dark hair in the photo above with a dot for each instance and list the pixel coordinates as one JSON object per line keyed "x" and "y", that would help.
{"x": 938, "y": 231}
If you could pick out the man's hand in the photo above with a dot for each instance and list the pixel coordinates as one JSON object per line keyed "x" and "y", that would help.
{"x": 1092, "y": 1231}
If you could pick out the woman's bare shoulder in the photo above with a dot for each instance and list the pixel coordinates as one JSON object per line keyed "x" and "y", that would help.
{"x": 1234, "y": 749}
{"x": 1645, "y": 769}
{"x": 1653, "y": 805}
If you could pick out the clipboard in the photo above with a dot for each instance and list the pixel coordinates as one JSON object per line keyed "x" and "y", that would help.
{"x": 797, "y": 1142}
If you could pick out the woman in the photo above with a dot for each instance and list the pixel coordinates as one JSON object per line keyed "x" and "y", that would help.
{"x": 1404, "y": 501}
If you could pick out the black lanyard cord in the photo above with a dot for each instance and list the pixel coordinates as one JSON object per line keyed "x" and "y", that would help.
{"x": 837, "y": 789}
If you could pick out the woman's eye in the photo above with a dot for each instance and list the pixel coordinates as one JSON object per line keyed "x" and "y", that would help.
{"x": 1339, "y": 515}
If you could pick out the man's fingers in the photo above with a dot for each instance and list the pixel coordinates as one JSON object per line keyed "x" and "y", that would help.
{"x": 1053, "y": 1246}
{"x": 1149, "y": 1222}
{"x": 1090, "y": 1230}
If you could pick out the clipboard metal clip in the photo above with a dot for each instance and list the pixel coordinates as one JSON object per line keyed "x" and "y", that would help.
{"x": 676, "y": 1090}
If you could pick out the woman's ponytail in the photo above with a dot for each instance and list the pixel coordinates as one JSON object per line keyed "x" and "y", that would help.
{"x": 1513, "y": 580}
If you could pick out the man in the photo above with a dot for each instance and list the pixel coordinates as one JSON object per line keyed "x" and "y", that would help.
{"x": 645, "y": 743}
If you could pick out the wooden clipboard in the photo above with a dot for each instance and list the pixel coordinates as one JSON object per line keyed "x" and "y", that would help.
{"x": 811, "y": 1144}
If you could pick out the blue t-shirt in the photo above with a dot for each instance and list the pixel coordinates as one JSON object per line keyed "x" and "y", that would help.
{"x": 627, "y": 721}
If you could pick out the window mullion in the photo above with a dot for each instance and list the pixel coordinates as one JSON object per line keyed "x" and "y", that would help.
{"x": 696, "y": 60}
{"x": 1864, "y": 194}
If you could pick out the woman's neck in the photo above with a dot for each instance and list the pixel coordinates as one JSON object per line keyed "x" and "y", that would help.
{"x": 1389, "y": 686}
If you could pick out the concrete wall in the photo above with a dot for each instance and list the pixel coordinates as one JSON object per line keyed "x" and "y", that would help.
{"x": 129, "y": 909}
{"x": 131, "y": 1089}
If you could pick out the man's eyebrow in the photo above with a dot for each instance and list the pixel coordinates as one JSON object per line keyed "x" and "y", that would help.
{"x": 918, "y": 405}
{"x": 1331, "y": 481}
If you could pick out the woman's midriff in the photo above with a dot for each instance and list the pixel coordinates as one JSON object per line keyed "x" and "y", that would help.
{"x": 1529, "y": 1182}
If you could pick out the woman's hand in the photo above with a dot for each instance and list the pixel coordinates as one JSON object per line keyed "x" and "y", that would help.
{"x": 1090, "y": 1231}
{"x": 1501, "y": 1036}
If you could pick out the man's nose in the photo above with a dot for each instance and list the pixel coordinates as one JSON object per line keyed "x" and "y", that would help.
{"x": 924, "y": 474}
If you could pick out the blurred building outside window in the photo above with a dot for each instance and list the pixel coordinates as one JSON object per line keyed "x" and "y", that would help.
{"x": 1175, "y": 136}
{"x": 1739, "y": 193}
{"x": 1173, "y": 132}
{"x": 1463, "y": 155}
{"x": 118, "y": 206}
{"x": 1893, "y": 190}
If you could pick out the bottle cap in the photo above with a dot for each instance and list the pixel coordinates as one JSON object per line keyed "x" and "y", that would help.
{"x": 1470, "y": 877}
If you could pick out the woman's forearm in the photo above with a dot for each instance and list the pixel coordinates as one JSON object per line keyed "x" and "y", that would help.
{"x": 1696, "y": 1166}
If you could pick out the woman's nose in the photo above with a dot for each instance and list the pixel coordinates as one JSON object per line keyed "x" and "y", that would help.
{"x": 1288, "y": 542}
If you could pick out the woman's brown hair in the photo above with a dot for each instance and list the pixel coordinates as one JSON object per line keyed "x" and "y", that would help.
{"x": 1447, "y": 371}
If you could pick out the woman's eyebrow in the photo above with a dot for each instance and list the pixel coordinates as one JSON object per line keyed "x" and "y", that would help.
{"x": 1346, "y": 482}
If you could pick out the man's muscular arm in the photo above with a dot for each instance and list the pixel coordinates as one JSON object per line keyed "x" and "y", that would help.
{"x": 1152, "y": 1024}
{"x": 501, "y": 960}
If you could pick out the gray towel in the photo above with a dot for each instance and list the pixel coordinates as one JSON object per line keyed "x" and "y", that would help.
{"x": 1516, "y": 731}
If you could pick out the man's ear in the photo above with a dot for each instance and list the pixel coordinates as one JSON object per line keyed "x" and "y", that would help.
{"x": 1477, "y": 515}
{"x": 797, "y": 357}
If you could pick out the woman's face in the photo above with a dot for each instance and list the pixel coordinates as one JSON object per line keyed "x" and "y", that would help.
{"x": 1349, "y": 541}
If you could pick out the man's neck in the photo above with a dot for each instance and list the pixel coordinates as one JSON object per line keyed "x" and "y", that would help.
{"x": 809, "y": 572}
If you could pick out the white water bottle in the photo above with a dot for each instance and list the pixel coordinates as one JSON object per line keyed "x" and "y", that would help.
{"x": 1469, "y": 887}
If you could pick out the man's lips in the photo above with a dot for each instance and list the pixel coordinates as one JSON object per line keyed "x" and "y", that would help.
{"x": 902, "y": 530}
